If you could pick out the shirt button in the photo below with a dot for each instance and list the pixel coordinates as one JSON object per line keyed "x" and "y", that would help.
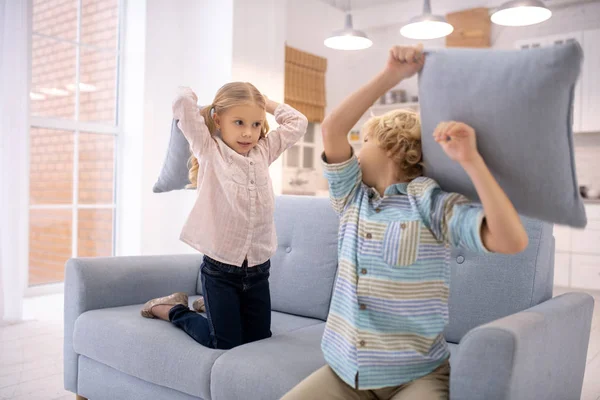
{"x": 403, "y": 226}
{"x": 362, "y": 343}
{"x": 363, "y": 271}
{"x": 377, "y": 210}
{"x": 460, "y": 259}
{"x": 288, "y": 249}
{"x": 363, "y": 306}
{"x": 369, "y": 236}
{"x": 252, "y": 182}
{"x": 251, "y": 162}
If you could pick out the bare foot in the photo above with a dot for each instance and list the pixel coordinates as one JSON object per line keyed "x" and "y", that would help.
{"x": 162, "y": 311}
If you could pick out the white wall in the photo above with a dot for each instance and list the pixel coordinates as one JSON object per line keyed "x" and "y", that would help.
{"x": 130, "y": 148}
{"x": 170, "y": 44}
{"x": 15, "y": 62}
{"x": 259, "y": 54}
{"x": 349, "y": 70}
{"x": 565, "y": 20}
{"x": 398, "y": 13}
{"x": 309, "y": 23}
{"x": 202, "y": 44}
{"x": 382, "y": 24}
{"x": 167, "y": 58}
{"x": 587, "y": 149}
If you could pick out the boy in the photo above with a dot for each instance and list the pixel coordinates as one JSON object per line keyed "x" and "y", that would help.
{"x": 384, "y": 333}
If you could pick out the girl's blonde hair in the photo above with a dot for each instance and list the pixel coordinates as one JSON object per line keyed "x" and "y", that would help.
{"x": 230, "y": 95}
{"x": 398, "y": 133}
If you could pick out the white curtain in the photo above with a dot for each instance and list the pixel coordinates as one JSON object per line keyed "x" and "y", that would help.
{"x": 15, "y": 26}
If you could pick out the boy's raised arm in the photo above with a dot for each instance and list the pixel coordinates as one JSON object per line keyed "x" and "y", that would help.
{"x": 403, "y": 62}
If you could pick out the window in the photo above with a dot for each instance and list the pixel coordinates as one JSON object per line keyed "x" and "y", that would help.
{"x": 73, "y": 135}
{"x": 302, "y": 155}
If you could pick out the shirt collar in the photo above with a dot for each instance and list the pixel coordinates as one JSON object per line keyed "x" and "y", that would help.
{"x": 395, "y": 189}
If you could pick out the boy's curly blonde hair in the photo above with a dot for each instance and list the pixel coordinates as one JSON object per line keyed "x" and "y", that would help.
{"x": 398, "y": 133}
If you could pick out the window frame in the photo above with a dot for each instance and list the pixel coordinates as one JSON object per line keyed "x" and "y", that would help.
{"x": 113, "y": 129}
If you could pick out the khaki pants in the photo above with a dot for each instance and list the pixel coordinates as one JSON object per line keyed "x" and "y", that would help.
{"x": 324, "y": 384}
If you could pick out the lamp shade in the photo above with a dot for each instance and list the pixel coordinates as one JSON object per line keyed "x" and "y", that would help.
{"x": 521, "y": 13}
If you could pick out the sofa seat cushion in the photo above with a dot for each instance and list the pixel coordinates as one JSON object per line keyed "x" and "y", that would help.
{"x": 154, "y": 350}
{"x": 453, "y": 347}
{"x": 268, "y": 369}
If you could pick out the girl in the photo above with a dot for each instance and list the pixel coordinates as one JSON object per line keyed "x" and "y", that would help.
{"x": 232, "y": 220}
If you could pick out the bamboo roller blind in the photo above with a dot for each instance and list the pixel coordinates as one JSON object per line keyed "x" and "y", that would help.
{"x": 305, "y": 83}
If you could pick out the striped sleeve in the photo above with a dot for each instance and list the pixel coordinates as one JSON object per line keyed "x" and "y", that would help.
{"x": 344, "y": 181}
{"x": 451, "y": 217}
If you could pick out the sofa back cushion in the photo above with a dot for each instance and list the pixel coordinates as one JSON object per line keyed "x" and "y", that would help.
{"x": 484, "y": 288}
{"x": 303, "y": 269}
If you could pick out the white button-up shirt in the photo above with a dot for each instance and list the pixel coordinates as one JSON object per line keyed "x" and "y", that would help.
{"x": 232, "y": 219}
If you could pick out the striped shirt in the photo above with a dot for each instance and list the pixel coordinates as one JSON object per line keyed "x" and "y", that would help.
{"x": 233, "y": 217}
{"x": 390, "y": 301}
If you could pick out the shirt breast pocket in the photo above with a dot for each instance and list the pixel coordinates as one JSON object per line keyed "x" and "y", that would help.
{"x": 262, "y": 173}
{"x": 237, "y": 174}
{"x": 401, "y": 243}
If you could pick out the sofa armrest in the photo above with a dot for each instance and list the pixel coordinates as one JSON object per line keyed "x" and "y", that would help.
{"x": 539, "y": 353}
{"x": 95, "y": 283}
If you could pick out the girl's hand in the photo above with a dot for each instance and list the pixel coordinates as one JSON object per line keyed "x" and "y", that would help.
{"x": 457, "y": 140}
{"x": 270, "y": 105}
{"x": 187, "y": 92}
{"x": 404, "y": 62}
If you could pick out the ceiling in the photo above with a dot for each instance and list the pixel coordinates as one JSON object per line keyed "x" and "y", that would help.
{"x": 364, "y": 4}
{"x": 359, "y": 4}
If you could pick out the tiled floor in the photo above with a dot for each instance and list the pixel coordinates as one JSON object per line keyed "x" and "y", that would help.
{"x": 31, "y": 362}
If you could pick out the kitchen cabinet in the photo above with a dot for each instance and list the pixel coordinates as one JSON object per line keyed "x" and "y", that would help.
{"x": 562, "y": 237}
{"x": 585, "y": 272}
{"x": 577, "y": 256}
{"x": 590, "y": 101}
{"x": 302, "y": 172}
{"x": 562, "y": 269}
{"x": 586, "y": 241}
{"x": 556, "y": 40}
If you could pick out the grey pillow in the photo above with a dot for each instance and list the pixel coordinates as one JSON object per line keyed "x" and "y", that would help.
{"x": 174, "y": 173}
{"x": 520, "y": 104}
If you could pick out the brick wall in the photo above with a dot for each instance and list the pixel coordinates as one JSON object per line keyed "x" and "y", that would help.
{"x": 94, "y": 234}
{"x": 51, "y": 166}
{"x": 52, "y": 151}
{"x": 96, "y": 168}
{"x": 49, "y": 244}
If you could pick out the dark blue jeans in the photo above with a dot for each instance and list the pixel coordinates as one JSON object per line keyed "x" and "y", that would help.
{"x": 238, "y": 306}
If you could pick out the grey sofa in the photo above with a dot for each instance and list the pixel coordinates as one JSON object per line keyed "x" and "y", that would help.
{"x": 509, "y": 339}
